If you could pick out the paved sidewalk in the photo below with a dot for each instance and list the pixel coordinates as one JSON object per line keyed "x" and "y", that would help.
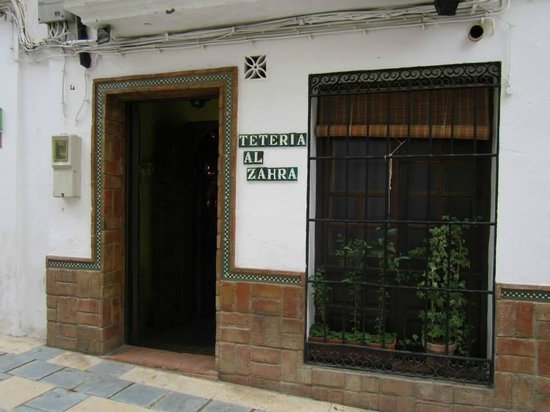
{"x": 35, "y": 377}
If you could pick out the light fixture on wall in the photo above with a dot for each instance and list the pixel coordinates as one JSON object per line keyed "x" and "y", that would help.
{"x": 148, "y": 168}
{"x": 103, "y": 34}
{"x": 82, "y": 34}
{"x": 481, "y": 28}
{"x": 446, "y": 7}
{"x": 198, "y": 103}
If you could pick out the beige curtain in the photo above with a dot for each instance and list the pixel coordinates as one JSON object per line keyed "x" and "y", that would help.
{"x": 440, "y": 114}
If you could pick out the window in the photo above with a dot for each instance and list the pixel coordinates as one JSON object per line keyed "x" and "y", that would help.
{"x": 402, "y": 220}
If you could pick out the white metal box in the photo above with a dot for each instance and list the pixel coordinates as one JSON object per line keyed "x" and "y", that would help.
{"x": 51, "y": 11}
{"x": 66, "y": 165}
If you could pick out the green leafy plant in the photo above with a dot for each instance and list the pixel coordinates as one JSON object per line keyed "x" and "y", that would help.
{"x": 353, "y": 254}
{"x": 383, "y": 249}
{"x": 384, "y": 337}
{"x": 321, "y": 292}
{"x": 355, "y": 337}
{"x": 319, "y": 330}
{"x": 440, "y": 283}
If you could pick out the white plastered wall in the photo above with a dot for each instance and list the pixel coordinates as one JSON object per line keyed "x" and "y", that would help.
{"x": 51, "y": 96}
{"x": 9, "y": 81}
{"x": 524, "y": 175}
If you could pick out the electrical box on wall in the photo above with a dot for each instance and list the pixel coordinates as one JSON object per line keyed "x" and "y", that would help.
{"x": 51, "y": 11}
{"x": 66, "y": 165}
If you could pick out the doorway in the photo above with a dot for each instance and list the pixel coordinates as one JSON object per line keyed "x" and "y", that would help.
{"x": 172, "y": 177}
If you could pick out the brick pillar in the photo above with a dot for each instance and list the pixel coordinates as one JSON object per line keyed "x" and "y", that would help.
{"x": 260, "y": 335}
{"x": 522, "y": 377}
{"x": 113, "y": 260}
{"x": 83, "y": 310}
{"x": 85, "y": 306}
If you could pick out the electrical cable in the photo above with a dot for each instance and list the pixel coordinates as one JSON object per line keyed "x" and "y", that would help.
{"x": 420, "y": 14}
{"x": 84, "y": 98}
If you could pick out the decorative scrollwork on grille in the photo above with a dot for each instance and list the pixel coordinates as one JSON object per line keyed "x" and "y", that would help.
{"x": 415, "y": 78}
{"x": 471, "y": 370}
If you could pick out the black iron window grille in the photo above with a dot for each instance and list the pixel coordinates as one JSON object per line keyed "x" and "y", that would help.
{"x": 402, "y": 220}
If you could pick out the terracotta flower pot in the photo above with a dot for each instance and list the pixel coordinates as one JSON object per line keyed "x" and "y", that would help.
{"x": 441, "y": 348}
{"x": 386, "y": 345}
{"x": 316, "y": 339}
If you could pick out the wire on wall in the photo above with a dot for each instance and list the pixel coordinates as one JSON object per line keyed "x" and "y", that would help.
{"x": 421, "y": 13}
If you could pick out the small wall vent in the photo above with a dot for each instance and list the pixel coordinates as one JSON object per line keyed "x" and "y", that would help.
{"x": 255, "y": 67}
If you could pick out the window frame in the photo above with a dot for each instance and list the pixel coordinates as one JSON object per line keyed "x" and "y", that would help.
{"x": 480, "y": 75}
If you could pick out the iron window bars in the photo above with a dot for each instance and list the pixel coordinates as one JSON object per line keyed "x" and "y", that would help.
{"x": 402, "y": 220}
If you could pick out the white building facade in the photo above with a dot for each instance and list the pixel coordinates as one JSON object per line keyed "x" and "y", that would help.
{"x": 215, "y": 160}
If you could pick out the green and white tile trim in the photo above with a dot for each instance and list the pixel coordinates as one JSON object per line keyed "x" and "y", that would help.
{"x": 251, "y": 277}
{"x": 102, "y": 91}
{"x": 526, "y": 294}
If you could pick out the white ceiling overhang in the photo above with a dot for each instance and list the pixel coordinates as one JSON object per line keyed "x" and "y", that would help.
{"x": 139, "y": 25}
{"x": 132, "y": 18}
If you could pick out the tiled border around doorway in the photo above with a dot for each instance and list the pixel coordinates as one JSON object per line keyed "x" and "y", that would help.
{"x": 103, "y": 167}
{"x": 85, "y": 296}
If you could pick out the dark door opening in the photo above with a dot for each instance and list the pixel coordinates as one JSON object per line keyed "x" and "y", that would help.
{"x": 172, "y": 224}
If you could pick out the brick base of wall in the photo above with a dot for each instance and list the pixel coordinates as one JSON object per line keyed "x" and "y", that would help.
{"x": 84, "y": 310}
{"x": 261, "y": 343}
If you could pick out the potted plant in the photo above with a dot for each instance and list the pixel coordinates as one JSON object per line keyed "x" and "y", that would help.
{"x": 355, "y": 338}
{"x": 383, "y": 249}
{"x": 440, "y": 285}
{"x": 321, "y": 290}
{"x": 353, "y": 254}
{"x": 318, "y": 332}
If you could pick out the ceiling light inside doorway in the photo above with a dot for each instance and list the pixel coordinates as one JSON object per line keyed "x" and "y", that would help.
{"x": 198, "y": 103}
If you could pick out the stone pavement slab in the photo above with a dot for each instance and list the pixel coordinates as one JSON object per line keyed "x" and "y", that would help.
{"x": 110, "y": 368}
{"x": 16, "y": 345}
{"x": 56, "y": 400}
{"x": 44, "y": 353}
{"x": 95, "y": 404}
{"x": 141, "y": 395}
{"x": 218, "y": 406}
{"x": 9, "y": 361}
{"x": 35, "y": 370}
{"x": 16, "y": 391}
{"x": 24, "y": 408}
{"x": 75, "y": 360}
{"x": 179, "y": 402}
{"x": 68, "y": 378}
{"x": 103, "y": 386}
